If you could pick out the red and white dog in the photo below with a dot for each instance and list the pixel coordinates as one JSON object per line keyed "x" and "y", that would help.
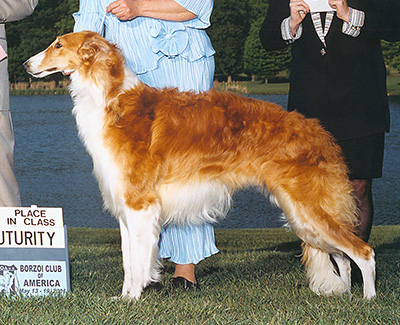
{"x": 163, "y": 156}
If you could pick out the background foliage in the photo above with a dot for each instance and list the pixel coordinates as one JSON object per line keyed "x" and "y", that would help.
{"x": 234, "y": 34}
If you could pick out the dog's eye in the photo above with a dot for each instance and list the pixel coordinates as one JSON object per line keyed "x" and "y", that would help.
{"x": 58, "y": 45}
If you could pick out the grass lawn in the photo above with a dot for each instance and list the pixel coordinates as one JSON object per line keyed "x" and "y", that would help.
{"x": 256, "y": 278}
{"x": 393, "y": 84}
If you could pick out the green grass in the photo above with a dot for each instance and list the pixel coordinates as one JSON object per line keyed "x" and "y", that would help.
{"x": 259, "y": 87}
{"x": 256, "y": 278}
{"x": 393, "y": 84}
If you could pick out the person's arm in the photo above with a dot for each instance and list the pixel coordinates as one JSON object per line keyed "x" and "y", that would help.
{"x": 355, "y": 22}
{"x": 282, "y": 24}
{"x": 288, "y": 34}
{"x": 381, "y": 17}
{"x": 342, "y": 9}
{"x": 89, "y": 16}
{"x": 13, "y": 10}
{"x": 159, "y": 9}
{"x": 353, "y": 19}
{"x": 298, "y": 11}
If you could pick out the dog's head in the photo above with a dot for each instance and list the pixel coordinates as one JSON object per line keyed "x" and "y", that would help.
{"x": 69, "y": 53}
{"x": 6, "y": 278}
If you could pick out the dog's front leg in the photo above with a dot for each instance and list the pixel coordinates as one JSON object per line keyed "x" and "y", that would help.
{"x": 139, "y": 243}
{"x": 126, "y": 258}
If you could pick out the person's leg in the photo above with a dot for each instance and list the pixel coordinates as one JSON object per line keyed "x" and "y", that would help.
{"x": 185, "y": 271}
{"x": 186, "y": 246}
{"x": 364, "y": 158}
{"x": 9, "y": 191}
{"x": 363, "y": 193}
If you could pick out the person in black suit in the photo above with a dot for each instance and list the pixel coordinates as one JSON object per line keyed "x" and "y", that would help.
{"x": 338, "y": 75}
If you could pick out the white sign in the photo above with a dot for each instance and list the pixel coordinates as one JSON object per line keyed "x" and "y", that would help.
{"x": 33, "y": 251}
{"x": 319, "y": 5}
{"x": 30, "y": 278}
{"x": 19, "y": 237}
{"x": 31, "y": 227}
{"x": 33, "y": 216}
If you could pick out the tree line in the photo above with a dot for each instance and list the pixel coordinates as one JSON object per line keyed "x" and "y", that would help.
{"x": 235, "y": 25}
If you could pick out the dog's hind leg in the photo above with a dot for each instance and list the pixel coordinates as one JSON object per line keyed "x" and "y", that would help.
{"x": 356, "y": 249}
{"x": 139, "y": 243}
{"x": 339, "y": 242}
{"x": 322, "y": 275}
{"x": 367, "y": 267}
{"x": 325, "y": 234}
{"x": 344, "y": 268}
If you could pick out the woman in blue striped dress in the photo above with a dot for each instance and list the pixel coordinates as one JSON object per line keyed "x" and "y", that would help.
{"x": 165, "y": 44}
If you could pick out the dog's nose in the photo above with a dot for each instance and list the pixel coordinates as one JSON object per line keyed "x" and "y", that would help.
{"x": 26, "y": 65}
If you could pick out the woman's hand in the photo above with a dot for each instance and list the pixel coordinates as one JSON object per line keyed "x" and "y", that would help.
{"x": 124, "y": 9}
{"x": 158, "y": 9}
{"x": 298, "y": 11}
{"x": 342, "y": 9}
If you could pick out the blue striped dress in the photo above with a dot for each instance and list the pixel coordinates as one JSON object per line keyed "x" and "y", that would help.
{"x": 164, "y": 54}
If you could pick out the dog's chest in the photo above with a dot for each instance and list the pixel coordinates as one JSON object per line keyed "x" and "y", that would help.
{"x": 90, "y": 119}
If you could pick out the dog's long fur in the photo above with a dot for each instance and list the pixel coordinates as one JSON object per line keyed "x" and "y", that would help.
{"x": 163, "y": 156}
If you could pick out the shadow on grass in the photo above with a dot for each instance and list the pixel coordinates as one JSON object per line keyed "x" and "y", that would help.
{"x": 289, "y": 246}
{"x": 393, "y": 246}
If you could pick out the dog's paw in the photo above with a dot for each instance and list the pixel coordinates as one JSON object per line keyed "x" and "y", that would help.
{"x": 127, "y": 297}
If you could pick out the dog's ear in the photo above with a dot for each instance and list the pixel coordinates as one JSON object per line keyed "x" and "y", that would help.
{"x": 91, "y": 46}
{"x": 88, "y": 49}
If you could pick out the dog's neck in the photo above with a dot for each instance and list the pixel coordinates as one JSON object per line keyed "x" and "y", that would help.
{"x": 100, "y": 90}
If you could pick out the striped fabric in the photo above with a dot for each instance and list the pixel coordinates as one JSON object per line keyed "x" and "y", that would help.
{"x": 202, "y": 9}
{"x": 286, "y": 32}
{"x": 187, "y": 244}
{"x": 322, "y": 31}
{"x": 154, "y": 40}
{"x": 356, "y": 21}
{"x": 164, "y": 53}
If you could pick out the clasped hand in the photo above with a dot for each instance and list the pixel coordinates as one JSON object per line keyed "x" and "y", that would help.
{"x": 123, "y": 9}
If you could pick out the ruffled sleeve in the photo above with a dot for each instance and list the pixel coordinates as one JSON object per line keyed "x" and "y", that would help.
{"x": 201, "y": 8}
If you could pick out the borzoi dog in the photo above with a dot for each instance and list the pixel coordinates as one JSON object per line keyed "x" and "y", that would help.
{"x": 163, "y": 156}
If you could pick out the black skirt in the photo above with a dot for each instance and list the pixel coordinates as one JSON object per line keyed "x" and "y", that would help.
{"x": 364, "y": 156}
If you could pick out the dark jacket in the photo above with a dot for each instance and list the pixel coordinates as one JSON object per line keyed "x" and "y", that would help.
{"x": 346, "y": 88}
